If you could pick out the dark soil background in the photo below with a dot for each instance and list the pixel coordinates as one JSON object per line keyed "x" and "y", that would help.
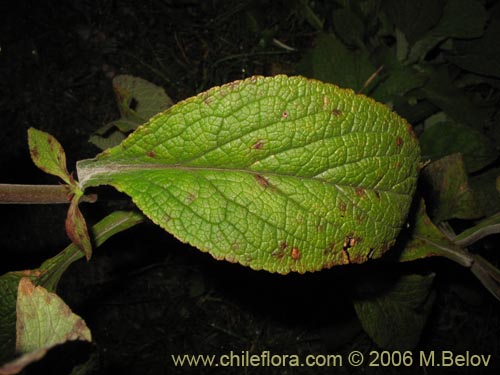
{"x": 144, "y": 295}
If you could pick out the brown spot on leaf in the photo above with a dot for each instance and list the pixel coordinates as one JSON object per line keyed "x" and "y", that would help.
{"x": 261, "y": 180}
{"x": 342, "y": 207}
{"x": 35, "y": 152}
{"x": 397, "y": 164}
{"x": 151, "y": 154}
{"x": 207, "y": 100}
{"x": 336, "y": 112}
{"x": 191, "y": 197}
{"x": 295, "y": 253}
{"x": 258, "y": 145}
{"x": 280, "y": 251}
{"x": 360, "y": 192}
{"x": 399, "y": 141}
{"x": 377, "y": 194}
{"x": 284, "y": 114}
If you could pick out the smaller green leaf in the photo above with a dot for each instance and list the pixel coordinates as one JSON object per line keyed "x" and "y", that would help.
{"x": 8, "y": 297}
{"x": 43, "y": 321}
{"x": 138, "y": 100}
{"x": 115, "y": 137}
{"x": 48, "y": 154}
{"x": 447, "y": 138}
{"x": 449, "y": 191}
{"x": 394, "y": 313}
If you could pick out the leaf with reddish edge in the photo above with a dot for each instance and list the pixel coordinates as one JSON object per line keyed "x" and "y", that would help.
{"x": 76, "y": 227}
{"x": 48, "y": 154}
{"x": 285, "y": 174}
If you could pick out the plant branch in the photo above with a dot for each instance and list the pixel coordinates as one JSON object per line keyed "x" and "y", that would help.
{"x": 116, "y": 222}
{"x": 38, "y": 194}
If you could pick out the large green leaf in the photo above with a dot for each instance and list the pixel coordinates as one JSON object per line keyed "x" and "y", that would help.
{"x": 282, "y": 173}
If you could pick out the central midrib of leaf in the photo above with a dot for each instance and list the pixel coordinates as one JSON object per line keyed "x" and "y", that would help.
{"x": 100, "y": 172}
{"x": 97, "y": 171}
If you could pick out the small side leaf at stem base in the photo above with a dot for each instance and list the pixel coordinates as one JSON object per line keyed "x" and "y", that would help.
{"x": 76, "y": 227}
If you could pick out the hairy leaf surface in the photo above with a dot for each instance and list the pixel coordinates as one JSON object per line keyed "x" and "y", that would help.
{"x": 282, "y": 174}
